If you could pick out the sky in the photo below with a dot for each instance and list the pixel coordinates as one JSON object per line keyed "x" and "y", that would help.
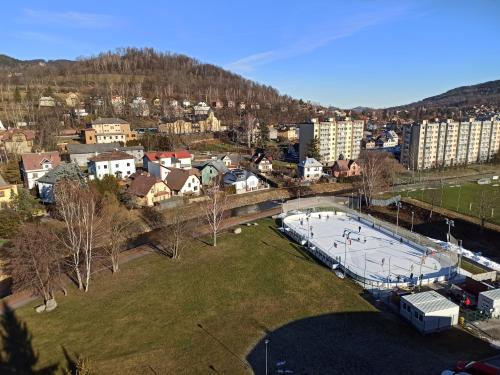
{"x": 375, "y": 53}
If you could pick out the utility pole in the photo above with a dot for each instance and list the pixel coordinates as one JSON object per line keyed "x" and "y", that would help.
{"x": 412, "y": 214}
{"x": 345, "y": 248}
{"x": 450, "y": 224}
{"x": 398, "y": 205}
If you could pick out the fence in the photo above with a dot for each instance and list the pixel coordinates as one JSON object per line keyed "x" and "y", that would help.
{"x": 386, "y": 202}
{"x": 446, "y": 259}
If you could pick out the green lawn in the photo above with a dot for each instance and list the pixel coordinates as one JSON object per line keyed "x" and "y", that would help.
{"x": 148, "y": 314}
{"x": 463, "y": 198}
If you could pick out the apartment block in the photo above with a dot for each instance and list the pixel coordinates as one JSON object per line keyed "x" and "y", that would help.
{"x": 337, "y": 139}
{"x": 446, "y": 143}
{"x": 109, "y": 130}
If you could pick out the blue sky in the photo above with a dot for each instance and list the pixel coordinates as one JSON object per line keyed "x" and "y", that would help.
{"x": 343, "y": 53}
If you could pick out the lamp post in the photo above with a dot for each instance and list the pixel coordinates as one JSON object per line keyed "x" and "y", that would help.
{"x": 459, "y": 255}
{"x": 352, "y": 201}
{"x": 345, "y": 248}
{"x": 450, "y": 224}
{"x": 398, "y": 205}
{"x": 458, "y": 200}
{"x": 412, "y": 214}
{"x": 266, "y": 342}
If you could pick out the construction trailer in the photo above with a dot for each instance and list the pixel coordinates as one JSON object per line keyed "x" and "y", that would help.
{"x": 489, "y": 302}
{"x": 429, "y": 311}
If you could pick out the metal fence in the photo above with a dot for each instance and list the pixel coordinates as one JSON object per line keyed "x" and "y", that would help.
{"x": 446, "y": 259}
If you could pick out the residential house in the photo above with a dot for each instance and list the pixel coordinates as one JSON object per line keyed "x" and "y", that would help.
{"x": 139, "y": 107}
{"x": 310, "y": 169}
{"x": 147, "y": 190}
{"x": 46, "y": 101}
{"x": 231, "y": 161}
{"x": 243, "y": 181}
{"x": 218, "y": 104}
{"x": 173, "y": 103}
{"x": 186, "y": 103}
{"x": 201, "y": 109}
{"x": 109, "y": 130}
{"x": 15, "y": 141}
{"x": 160, "y": 163}
{"x": 370, "y": 143}
{"x": 262, "y": 162}
{"x": 211, "y": 170}
{"x": 114, "y": 163}
{"x": 273, "y": 133}
{"x": 47, "y": 182}
{"x": 346, "y": 168}
{"x": 80, "y": 154}
{"x": 157, "y": 102}
{"x": 183, "y": 181}
{"x": 287, "y": 133}
{"x": 118, "y": 104}
{"x": 72, "y": 99}
{"x": 242, "y": 105}
{"x": 199, "y": 124}
{"x": 231, "y": 104}
{"x": 255, "y": 106}
{"x": 7, "y": 192}
{"x": 36, "y": 165}
{"x": 388, "y": 139}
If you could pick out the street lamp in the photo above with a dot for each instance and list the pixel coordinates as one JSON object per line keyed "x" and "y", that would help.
{"x": 459, "y": 255}
{"x": 458, "y": 200}
{"x": 412, "y": 214}
{"x": 450, "y": 224}
{"x": 266, "y": 342}
{"x": 398, "y": 205}
{"x": 345, "y": 247}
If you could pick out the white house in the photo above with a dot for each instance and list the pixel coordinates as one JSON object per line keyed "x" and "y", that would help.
{"x": 243, "y": 181}
{"x": 160, "y": 163}
{"x": 183, "y": 181}
{"x": 35, "y": 165}
{"x": 429, "y": 311}
{"x": 489, "y": 302}
{"x": 46, "y": 101}
{"x": 186, "y": 103}
{"x": 114, "y": 163}
{"x": 262, "y": 162}
{"x": 310, "y": 169}
{"x": 201, "y": 108}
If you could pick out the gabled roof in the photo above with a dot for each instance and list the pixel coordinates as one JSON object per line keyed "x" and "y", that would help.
{"x": 113, "y": 155}
{"x": 177, "y": 177}
{"x": 344, "y": 165}
{"x": 216, "y": 164}
{"x": 141, "y": 184}
{"x": 310, "y": 162}
{"x": 157, "y": 155}
{"x": 108, "y": 120}
{"x": 237, "y": 175}
{"x": 69, "y": 171}
{"x": 34, "y": 161}
{"x": 29, "y": 134}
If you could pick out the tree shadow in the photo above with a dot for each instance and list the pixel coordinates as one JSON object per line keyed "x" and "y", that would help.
{"x": 17, "y": 355}
{"x": 361, "y": 343}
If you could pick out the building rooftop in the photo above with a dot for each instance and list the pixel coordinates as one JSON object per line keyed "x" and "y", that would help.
{"x": 156, "y": 155}
{"x": 34, "y": 161}
{"x": 108, "y": 120}
{"x": 99, "y": 147}
{"x": 113, "y": 155}
{"x": 69, "y": 171}
{"x": 428, "y": 302}
{"x": 141, "y": 184}
{"x": 177, "y": 177}
{"x": 310, "y": 162}
{"x": 493, "y": 294}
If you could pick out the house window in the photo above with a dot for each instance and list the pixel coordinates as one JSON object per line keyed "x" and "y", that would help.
{"x": 420, "y": 318}
{"x": 416, "y": 314}
{"x": 2, "y": 193}
{"x": 128, "y": 172}
{"x": 105, "y": 166}
{"x": 116, "y": 165}
{"x": 195, "y": 188}
{"x": 128, "y": 164}
{"x": 34, "y": 175}
{"x": 189, "y": 184}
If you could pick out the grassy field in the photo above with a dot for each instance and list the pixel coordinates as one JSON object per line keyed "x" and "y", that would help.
{"x": 464, "y": 198}
{"x": 147, "y": 316}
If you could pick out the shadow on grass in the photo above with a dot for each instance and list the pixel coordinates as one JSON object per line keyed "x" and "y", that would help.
{"x": 17, "y": 355}
{"x": 361, "y": 343}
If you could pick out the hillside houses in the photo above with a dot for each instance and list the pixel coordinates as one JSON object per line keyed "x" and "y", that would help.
{"x": 36, "y": 165}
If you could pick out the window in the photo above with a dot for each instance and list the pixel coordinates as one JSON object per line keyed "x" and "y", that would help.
{"x": 105, "y": 166}
{"x": 195, "y": 188}
{"x": 2, "y": 193}
{"x": 128, "y": 164}
{"x": 416, "y": 314}
{"x": 420, "y": 318}
{"x": 189, "y": 184}
{"x": 128, "y": 172}
{"x": 116, "y": 165}
{"x": 34, "y": 175}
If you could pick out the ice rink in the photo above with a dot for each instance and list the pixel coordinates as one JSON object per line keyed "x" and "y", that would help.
{"x": 370, "y": 253}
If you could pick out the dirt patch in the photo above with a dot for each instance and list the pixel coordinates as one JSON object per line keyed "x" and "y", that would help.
{"x": 473, "y": 236}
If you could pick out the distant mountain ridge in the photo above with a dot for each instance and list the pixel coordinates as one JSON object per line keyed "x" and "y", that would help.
{"x": 487, "y": 93}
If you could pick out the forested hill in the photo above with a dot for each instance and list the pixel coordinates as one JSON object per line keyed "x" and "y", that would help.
{"x": 487, "y": 93}
{"x": 132, "y": 72}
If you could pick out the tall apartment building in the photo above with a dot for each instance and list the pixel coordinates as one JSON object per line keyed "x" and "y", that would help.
{"x": 442, "y": 144}
{"x": 337, "y": 139}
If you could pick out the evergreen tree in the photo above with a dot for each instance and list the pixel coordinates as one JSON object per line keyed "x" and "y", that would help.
{"x": 313, "y": 149}
{"x": 263, "y": 136}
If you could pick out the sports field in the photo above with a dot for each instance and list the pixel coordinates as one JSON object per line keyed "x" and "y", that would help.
{"x": 467, "y": 198}
{"x": 210, "y": 312}
{"x": 366, "y": 251}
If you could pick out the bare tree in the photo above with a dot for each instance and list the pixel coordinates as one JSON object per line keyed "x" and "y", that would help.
{"x": 116, "y": 229}
{"x": 34, "y": 260}
{"x": 214, "y": 208}
{"x": 76, "y": 206}
{"x": 176, "y": 236}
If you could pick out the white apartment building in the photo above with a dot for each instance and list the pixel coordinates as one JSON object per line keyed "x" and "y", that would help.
{"x": 337, "y": 139}
{"x": 116, "y": 163}
{"x": 446, "y": 143}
